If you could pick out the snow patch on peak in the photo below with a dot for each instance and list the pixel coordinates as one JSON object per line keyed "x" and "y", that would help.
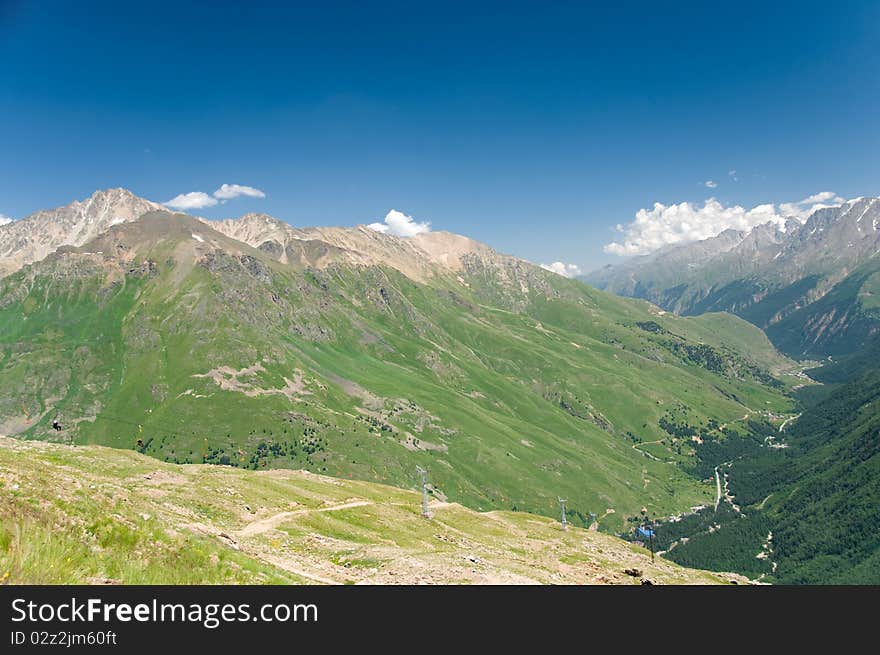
{"x": 865, "y": 211}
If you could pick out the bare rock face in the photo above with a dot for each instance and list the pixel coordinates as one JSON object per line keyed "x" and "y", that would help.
{"x": 418, "y": 257}
{"x": 40, "y": 234}
{"x": 422, "y": 257}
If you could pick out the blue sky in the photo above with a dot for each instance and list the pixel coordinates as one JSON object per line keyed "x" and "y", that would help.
{"x": 534, "y": 127}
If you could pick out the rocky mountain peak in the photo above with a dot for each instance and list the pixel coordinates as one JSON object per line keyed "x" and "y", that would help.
{"x": 38, "y": 235}
{"x": 419, "y": 257}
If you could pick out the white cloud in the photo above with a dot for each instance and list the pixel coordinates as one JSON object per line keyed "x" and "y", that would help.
{"x": 5, "y": 220}
{"x": 565, "y": 270}
{"x": 732, "y": 175}
{"x": 685, "y": 222}
{"x": 229, "y": 191}
{"x": 400, "y": 225}
{"x": 200, "y": 199}
{"x": 803, "y": 208}
{"x": 711, "y": 184}
{"x": 191, "y": 200}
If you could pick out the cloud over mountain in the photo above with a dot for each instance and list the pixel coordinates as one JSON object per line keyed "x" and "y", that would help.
{"x": 663, "y": 225}
{"x": 191, "y": 200}
{"x": 5, "y": 219}
{"x": 565, "y": 270}
{"x": 200, "y": 199}
{"x": 228, "y": 191}
{"x": 400, "y": 225}
{"x": 803, "y": 208}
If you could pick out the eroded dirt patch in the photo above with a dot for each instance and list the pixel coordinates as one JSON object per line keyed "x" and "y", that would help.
{"x": 229, "y": 379}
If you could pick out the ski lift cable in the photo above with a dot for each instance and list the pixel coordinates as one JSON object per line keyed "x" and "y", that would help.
{"x": 116, "y": 419}
{"x": 161, "y": 427}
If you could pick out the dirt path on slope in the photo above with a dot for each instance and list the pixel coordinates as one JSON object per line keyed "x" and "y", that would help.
{"x": 745, "y": 417}
{"x": 644, "y": 452}
{"x": 272, "y": 522}
{"x": 291, "y": 567}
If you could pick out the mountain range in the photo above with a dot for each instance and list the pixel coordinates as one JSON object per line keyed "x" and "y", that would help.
{"x": 814, "y": 287}
{"x": 253, "y": 344}
{"x": 347, "y": 352}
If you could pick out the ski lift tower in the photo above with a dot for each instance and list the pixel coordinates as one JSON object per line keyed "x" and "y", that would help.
{"x": 424, "y": 475}
{"x": 647, "y": 530}
{"x": 562, "y": 502}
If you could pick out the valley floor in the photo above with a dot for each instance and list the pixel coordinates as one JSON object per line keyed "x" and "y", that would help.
{"x": 88, "y": 514}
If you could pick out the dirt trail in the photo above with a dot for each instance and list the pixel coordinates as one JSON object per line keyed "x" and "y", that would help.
{"x": 744, "y": 418}
{"x": 272, "y": 522}
{"x": 510, "y": 525}
{"x": 645, "y": 453}
{"x": 645, "y": 443}
{"x": 291, "y": 567}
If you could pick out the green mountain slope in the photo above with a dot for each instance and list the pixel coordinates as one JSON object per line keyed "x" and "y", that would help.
{"x": 843, "y": 321}
{"x": 75, "y": 515}
{"x": 514, "y": 386}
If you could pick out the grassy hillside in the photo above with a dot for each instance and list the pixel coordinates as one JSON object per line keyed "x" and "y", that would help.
{"x": 512, "y": 385}
{"x": 89, "y": 514}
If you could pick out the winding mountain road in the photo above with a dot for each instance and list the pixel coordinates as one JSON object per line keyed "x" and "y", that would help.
{"x": 787, "y": 421}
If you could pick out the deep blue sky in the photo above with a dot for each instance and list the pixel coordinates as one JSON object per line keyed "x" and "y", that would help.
{"x": 533, "y": 127}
